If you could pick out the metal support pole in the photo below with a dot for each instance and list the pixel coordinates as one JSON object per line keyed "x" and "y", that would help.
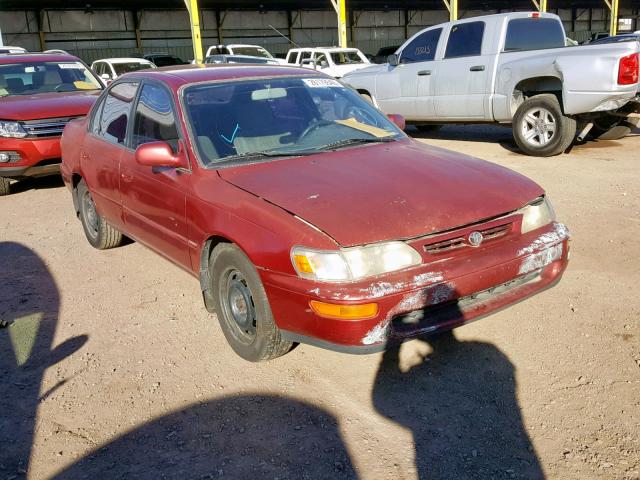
{"x": 543, "y": 5}
{"x": 194, "y": 20}
{"x": 452, "y": 6}
{"x": 40, "y": 19}
{"x": 613, "y": 16}
{"x": 340, "y": 7}
{"x": 137, "y": 18}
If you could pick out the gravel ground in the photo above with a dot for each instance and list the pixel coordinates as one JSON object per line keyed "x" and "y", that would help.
{"x": 113, "y": 368}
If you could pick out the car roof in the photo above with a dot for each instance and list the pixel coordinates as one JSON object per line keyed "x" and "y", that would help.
{"x": 179, "y": 75}
{"x": 324, "y": 49}
{"x": 123, "y": 60}
{"x": 37, "y": 57}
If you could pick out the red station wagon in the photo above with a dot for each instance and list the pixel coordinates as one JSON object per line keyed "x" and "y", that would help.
{"x": 39, "y": 94}
{"x": 306, "y": 214}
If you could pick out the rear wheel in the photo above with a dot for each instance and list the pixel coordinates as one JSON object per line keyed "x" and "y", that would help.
{"x": 99, "y": 233}
{"x": 5, "y": 186}
{"x": 541, "y": 129}
{"x": 242, "y": 306}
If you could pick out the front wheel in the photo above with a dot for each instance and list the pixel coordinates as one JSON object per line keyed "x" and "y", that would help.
{"x": 242, "y": 306}
{"x": 100, "y": 234}
{"x": 5, "y": 186}
{"x": 540, "y": 129}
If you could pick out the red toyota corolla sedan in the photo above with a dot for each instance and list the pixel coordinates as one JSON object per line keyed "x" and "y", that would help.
{"x": 306, "y": 214}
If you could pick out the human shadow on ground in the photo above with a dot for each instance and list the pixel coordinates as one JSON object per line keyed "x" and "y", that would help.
{"x": 460, "y": 404}
{"x": 239, "y": 437}
{"x": 29, "y": 304}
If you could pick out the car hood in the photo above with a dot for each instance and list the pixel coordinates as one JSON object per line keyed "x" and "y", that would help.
{"x": 389, "y": 191}
{"x": 368, "y": 70}
{"x": 342, "y": 70}
{"x": 47, "y": 105}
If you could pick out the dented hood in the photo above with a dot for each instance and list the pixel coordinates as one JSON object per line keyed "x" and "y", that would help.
{"x": 388, "y": 191}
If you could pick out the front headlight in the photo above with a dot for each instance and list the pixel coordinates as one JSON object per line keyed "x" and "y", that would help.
{"x": 354, "y": 263}
{"x": 537, "y": 214}
{"x": 12, "y": 130}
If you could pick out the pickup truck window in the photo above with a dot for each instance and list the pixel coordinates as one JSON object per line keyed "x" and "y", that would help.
{"x": 115, "y": 112}
{"x": 465, "y": 40}
{"x": 533, "y": 34}
{"x": 422, "y": 48}
{"x": 154, "y": 120}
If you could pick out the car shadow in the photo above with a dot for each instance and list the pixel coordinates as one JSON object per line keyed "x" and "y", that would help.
{"x": 29, "y": 307}
{"x": 470, "y": 133}
{"x": 243, "y": 437}
{"x": 460, "y": 403}
{"x": 38, "y": 183}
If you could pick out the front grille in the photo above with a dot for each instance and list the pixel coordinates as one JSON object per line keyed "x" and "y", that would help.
{"x": 462, "y": 241}
{"x": 47, "y": 127}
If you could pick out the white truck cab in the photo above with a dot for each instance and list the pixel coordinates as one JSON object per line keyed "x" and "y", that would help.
{"x": 241, "y": 49}
{"x": 334, "y": 61}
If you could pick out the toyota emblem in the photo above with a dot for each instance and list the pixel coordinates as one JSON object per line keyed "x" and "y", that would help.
{"x": 475, "y": 239}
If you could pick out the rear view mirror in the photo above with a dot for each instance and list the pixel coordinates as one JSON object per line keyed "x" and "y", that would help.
{"x": 158, "y": 154}
{"x": 398, "y": 120}
{"x": 268, "y": 94}
{"x": 393, "y": 60}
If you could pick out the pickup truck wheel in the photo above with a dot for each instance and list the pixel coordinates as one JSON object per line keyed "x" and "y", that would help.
{"x": 5, "y": 186}
{"x": 242, "y": 306}
{"x": 541, "y": 129}
{"x": 613, "y": 128}
{"x": 99, "y": 233}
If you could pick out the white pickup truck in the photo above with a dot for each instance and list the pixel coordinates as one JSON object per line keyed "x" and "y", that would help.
{"x": 511, "y": 68}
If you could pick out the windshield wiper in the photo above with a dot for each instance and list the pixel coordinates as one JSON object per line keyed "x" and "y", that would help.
{"x": 269, "y": 154}
{"x": 354, "y": 141}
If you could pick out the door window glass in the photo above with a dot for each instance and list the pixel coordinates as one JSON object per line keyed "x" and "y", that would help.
{"x": 116, "y": 111}
{"x": 533, "y": 34}
{"x": 465, "y": 40}
{"x": 422, "y": 48}
{"x": 154, "y": 120}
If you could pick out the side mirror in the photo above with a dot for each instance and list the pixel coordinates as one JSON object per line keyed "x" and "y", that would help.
{"x": 158, "y": 154}
{"x": 393, "y": 60}
{"x": 309, "y": 62}
{"x": 105, "y": 76}
{"x": 398, "y": 120}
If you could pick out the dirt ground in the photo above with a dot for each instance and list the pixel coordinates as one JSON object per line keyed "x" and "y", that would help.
{"x": 113, "y": 368}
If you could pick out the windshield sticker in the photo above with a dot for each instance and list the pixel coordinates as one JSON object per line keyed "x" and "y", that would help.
{"x": 81, "y": 85}
{"x": 321, "y": 82}
{"x": 71, "y": 65}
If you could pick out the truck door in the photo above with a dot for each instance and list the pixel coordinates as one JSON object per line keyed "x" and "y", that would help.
{"x": 407, "y": 88}
{"x": 462, "y": 77}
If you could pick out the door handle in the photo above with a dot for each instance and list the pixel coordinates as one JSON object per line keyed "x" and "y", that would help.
{"x": 422, "y": 73}
{"x": 477, "y": 68}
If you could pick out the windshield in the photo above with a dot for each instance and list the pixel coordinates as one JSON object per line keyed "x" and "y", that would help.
{"x": 257, "y": 119}
{"x": 346, "y": 58}
{"x": 122, "y": 68}
{"x": 252, "y": 51}
{"x": 45, "y": 77}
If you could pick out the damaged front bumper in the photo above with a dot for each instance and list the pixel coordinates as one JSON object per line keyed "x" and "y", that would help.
{"x": 421, "y": 301}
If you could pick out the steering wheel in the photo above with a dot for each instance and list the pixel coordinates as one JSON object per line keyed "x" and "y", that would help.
{"x": 361, "y": 115}
{"x": 313, "y": 126}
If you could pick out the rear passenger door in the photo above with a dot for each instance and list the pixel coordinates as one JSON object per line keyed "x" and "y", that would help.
{"x": 103, "y": 147}
{"x": 463, "y": 75}
{"x": 154, "y": 199}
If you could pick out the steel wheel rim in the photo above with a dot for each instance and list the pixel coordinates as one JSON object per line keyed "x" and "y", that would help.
{"x": 90, "y": 215}
{"x": 538, "y": 127}
{"x": 238, "y": 307}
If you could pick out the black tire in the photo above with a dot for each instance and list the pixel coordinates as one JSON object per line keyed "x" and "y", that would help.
{"x": 242, "y": 306}
{"x": 540, "y": 129}
{"x": 99, "y": 233}
{"x": 5, "y": 186}
{"x": 612, "y": 127}
{"x": 428, "y": 128}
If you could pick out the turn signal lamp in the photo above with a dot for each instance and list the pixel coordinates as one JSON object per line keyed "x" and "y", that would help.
{"x": 344, "y": 312}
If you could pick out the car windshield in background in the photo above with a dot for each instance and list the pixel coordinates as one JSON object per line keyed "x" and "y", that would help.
{"x": 346, "y": 58}
{"x": 167, "y": 61}
{"x": 260, "y": 119}
{"x": 45, "y": 77}
{"x": 122, "y": 68}
{"x": 533, "y": 34}
{"x": 252, "y": 51}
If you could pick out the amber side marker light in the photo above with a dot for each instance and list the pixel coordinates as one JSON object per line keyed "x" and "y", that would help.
{"x": 344, "y": 312}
